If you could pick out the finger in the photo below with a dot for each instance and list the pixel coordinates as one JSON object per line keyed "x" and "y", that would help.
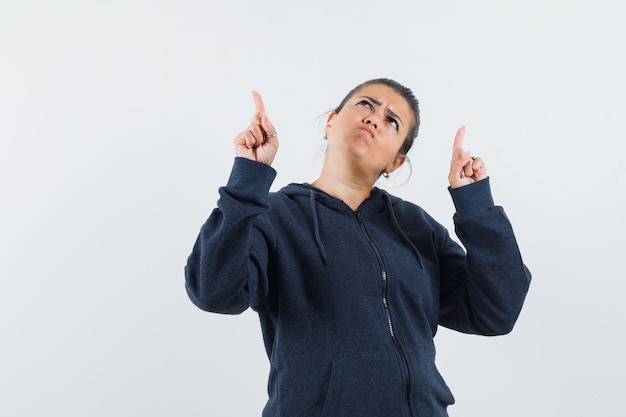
{"x": 258, "y": 102}
{"x": 256, "y": 118}
{"x": 258, "y": 133}
{"x": 477, "y": 164}
{"x": 468, "y": 169}
{"x": 250, "y": 140}
{"x": 267, "y": 126}
{"x": 458, "y": 139}
{"x": 460, "y": 159}
{"x": 480, "y": 169}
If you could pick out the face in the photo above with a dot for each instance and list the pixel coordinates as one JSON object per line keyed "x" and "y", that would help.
{"x": 371, "y": 128}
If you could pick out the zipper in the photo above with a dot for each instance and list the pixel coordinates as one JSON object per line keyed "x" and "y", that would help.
{"x": 396, "y": 343}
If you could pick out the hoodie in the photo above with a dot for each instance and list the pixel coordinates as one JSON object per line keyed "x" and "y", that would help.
{"x": 349, "y": 302}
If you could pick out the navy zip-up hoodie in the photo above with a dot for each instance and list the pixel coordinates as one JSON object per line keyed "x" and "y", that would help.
{"x": 349, "y": 302}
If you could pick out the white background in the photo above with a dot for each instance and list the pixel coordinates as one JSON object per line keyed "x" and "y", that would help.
{"x": 116, "y": 128}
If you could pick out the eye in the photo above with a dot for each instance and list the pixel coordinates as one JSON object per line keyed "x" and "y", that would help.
{"x": 393, "y": 122}
{"x": 366, "y": 104}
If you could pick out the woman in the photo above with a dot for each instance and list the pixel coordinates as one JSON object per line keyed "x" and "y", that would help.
{"x": 349, "y": 281}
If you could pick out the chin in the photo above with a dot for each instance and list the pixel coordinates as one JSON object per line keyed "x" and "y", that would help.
{"x": 359, "y": 144}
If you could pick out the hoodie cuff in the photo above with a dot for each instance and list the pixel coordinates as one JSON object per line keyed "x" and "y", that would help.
{"x": 472, "y": 199}
{"x": 251, "y": 176}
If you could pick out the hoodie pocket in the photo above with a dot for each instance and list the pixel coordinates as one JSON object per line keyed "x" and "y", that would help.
{"x": 364, "y": 385}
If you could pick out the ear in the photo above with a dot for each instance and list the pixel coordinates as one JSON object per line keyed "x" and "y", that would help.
{"x": 329, "y": 119}
{"x": 396, "y": 163}
{"x": 329, "y": 123}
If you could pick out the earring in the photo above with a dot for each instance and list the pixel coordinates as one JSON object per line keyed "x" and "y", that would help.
{"x": 325, "y": 137}
{"x": 386, "y": 175}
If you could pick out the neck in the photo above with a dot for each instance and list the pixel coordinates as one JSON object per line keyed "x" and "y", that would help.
{"x": 348, "y": 186}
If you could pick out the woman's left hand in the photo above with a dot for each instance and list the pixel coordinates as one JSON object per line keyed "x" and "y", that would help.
{"x": 464, "y": 168}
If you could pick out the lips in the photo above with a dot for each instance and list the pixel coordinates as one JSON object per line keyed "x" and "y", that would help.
{"x": 369, "y": 132}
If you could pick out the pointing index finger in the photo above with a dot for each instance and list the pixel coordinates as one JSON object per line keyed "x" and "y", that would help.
{"x": 258, "y": 102}
{"x": 458, "y": 139}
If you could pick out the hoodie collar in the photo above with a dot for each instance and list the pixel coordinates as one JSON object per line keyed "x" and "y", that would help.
{"x": 378, "y": 201}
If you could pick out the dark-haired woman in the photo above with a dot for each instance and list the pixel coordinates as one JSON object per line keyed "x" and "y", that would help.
{"x": 350, "y": 282}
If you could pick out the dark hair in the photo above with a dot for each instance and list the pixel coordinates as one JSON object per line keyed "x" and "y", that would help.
{"x": 406, "y": 93}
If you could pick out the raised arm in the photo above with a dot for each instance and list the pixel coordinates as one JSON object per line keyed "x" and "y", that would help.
{"x": 226, "y": 271}
{"x": 483, "y": 290}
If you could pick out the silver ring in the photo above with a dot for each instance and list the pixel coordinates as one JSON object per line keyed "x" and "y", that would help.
{"x": 273, "y": 135}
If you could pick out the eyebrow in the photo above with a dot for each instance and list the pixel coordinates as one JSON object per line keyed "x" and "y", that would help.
{"x": 378, "y": 103}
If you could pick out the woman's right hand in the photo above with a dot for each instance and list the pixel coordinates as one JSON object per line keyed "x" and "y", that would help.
{"x": 254, "y": 143}
{"x": 464, "y": 168}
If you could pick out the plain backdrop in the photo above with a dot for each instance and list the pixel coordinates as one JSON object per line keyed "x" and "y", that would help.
{"x": 116, "y": 127}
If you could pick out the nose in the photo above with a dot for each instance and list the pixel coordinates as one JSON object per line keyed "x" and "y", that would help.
{"x": 372, "y": 120}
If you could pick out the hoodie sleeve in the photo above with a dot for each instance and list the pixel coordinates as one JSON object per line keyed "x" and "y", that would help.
{"x": 482, "y": 292}
{"x": 227, "y": 269}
